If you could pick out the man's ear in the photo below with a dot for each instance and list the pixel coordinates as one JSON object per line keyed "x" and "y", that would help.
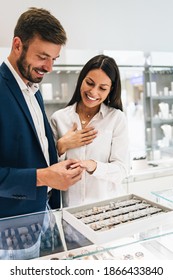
{"x": 17, "y": 45}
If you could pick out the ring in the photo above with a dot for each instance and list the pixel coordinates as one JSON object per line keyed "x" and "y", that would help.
{"x": 128, "y": 257}
{"x": 139, "y": 255}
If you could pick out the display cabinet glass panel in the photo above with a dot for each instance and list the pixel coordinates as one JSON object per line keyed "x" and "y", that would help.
{"x": 158, "y": 107}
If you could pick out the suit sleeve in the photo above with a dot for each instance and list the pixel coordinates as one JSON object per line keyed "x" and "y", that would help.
{"x": 18, "y": 183}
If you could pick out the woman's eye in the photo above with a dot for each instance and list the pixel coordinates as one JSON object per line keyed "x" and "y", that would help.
{"x": 89, "y": 83}
{"x": 103, "y": 89}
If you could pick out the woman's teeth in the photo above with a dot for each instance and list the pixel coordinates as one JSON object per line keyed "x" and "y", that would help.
{"x": 91, "y": 98}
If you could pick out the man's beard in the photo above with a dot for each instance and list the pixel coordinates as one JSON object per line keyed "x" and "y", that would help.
{"x": 25, "y": 69}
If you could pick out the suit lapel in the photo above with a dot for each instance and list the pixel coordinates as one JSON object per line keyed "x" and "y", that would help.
{"x": 16, "y": 92}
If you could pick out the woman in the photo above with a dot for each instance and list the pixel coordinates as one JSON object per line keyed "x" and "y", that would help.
{"x": 93, "y": 129}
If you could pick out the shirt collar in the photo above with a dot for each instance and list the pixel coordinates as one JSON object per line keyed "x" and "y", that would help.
{"x": 34, "y": 87}
{"x": 103, "y": 110}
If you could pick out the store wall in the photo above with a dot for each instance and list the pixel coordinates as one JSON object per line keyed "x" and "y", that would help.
{"x": 101, "y": 24}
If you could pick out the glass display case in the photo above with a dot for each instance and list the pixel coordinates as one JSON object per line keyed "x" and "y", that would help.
{"x": 154, "y": 247}
{"x": 48, "y": 235}
{"x": 164, "y": 197}
{"x": 153, "y": 244}
{"x": 37, "y": 234}
{"x": 158, "y": 105}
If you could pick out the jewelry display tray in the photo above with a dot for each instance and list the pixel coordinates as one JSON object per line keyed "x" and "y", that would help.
{"x": 116, "y": 218}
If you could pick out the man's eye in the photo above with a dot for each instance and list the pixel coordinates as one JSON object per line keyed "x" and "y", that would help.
{"x": 42, "y": 57}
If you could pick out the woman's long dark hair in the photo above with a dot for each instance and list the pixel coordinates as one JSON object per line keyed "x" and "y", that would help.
{"x": 109, "y": 66}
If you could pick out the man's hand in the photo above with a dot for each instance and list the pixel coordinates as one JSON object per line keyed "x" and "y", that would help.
{"x": 59, "y": 176}
{"x": 89, "y": 165}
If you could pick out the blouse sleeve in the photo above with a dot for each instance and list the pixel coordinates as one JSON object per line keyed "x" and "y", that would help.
{"x": 117, "y": 167}
{"x": 53, "y": 124}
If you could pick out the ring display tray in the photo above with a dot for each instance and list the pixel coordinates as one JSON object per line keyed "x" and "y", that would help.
{"x": 116, "y": 218}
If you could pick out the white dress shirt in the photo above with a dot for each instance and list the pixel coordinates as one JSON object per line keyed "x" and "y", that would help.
{"x": 34, "y": 108}
{"x": 109, "y": 149}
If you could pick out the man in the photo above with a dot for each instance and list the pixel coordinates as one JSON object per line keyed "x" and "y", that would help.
{"x": 28, "y": 162}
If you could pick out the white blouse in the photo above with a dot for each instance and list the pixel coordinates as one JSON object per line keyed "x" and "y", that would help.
{"x": 109, "y": 149}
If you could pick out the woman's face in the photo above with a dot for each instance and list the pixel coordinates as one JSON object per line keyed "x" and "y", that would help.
{"x": 95, "y": 88}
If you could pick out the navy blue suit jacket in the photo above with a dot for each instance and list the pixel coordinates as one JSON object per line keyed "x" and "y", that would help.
{"x": 20, "y": 152}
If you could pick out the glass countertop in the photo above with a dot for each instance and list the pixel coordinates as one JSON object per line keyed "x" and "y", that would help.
{"x": 150, "y": 245}
{"x": 166, "y": 195}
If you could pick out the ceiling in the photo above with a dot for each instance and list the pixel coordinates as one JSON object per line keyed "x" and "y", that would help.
{"x": 101, "y": 24}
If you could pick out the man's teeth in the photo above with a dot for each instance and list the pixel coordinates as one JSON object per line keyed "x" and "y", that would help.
{"x": 40, "y": 72}
{"x": 91, "y": 98}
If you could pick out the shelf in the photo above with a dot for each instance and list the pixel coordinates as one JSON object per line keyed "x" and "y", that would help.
{"x": 55, "y": 102}
{"x": 169, "y": 97}
{"x": 65, "y": 68}
{"x": 159, "y": 121}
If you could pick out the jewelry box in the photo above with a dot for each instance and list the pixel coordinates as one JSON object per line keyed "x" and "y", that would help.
{"x": 108, "y": 220}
